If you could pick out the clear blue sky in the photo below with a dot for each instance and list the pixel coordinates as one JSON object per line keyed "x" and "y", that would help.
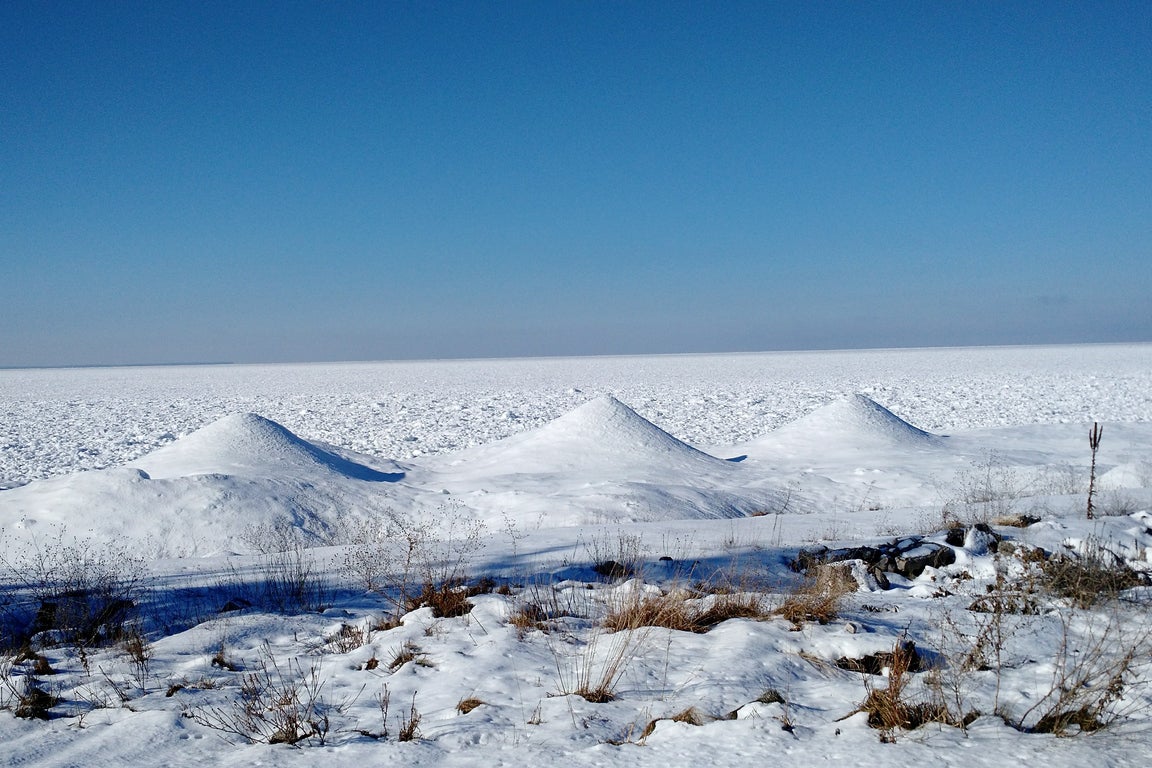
{"x": 334, "y": 181}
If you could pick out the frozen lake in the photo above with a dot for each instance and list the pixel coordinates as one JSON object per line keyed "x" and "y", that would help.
{"x": 56, "y": 421}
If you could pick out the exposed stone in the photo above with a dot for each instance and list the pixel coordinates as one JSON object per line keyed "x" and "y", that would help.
{"x": 876, "y": 663}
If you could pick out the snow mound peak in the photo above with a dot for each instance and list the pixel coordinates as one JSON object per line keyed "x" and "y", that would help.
{"x": 607, "y": 425}
{"x": 853, "y": 421}
{"x": 247, "y": 444}
{"x": 602, "y": 433}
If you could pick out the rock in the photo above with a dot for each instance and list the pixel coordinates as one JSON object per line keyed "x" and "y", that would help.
{"x": 235, "y": 604}
{"x": 912, "y": 563}
{"x": 907, "y": 556}
{"x": 877, "y": 573}
{"x": 610, "y": 569}
{"x": 876, "y": 663}
{"x": 955, "y": 537}
{"x": 980, "y": 540}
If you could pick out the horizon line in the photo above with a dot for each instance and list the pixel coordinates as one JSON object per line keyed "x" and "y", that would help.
{"x": 366, "y": 361}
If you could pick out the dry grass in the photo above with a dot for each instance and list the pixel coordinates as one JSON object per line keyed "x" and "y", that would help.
{"x": 1088, "y": 580}
{"x": 818, "y": 598}
{"x": 346, "y": 639}
{"x": 528, "y": 617}
{"x": 407, "y": 652}
{"x": 469, "y": 703}
{"x": 410, "y": 723}
{"x": 445, "y": 600}
{"x": 676, "y": 610}
{"x": 892, "y": 707}
{"x": 689, "y": 716}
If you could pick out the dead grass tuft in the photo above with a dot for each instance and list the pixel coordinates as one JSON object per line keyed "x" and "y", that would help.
{"x": 1089, "y": 580}
{"x": 676, "y": 610}
{"x": 466, "y": 705}
{"x": 818, "y": 598}
{"x": 892, "y": 707}
{"x": 407, "y": 652}
{"x": 445, "y": 600}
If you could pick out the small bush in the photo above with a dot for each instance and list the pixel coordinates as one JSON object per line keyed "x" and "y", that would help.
{"x": 1099, "y": 677}
{"x": 85, "y": 592}
{"x": 293, "y": 582}
{"x": 615, "y": 558}
{"x": 34, "y": 702}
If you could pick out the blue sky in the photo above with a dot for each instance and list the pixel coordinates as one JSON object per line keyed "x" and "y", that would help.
{"x": 336, "y": 181}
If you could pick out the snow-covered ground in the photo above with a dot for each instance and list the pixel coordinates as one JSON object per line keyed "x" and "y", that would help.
{"x": 699, "y": 475}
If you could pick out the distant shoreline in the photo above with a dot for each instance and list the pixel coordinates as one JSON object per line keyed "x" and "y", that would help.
{"x": 495, "y": 358}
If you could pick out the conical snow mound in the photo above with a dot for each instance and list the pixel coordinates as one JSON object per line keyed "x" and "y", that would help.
{"x": 246, "y": 444}
{"x": 602, "y": 433}
{"x": 609, "y": 425}
{"x": 853, "y": 421}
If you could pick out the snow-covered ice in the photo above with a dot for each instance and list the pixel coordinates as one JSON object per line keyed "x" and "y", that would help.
{"x": 685, "y": 470}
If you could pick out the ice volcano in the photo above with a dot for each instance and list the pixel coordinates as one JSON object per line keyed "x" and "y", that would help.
{"x": 600, "y": 462}
{"x": 853, "y": 423}
{"x": 603, "y": 434}
{"x": 851, "y": 451}
{"x": 247, "y": 444}
{"x": 212, "y": 491}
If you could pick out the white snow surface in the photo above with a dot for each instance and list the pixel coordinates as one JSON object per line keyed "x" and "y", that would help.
{"x": 692, "y": 469}
{"x": 56, "y": 421}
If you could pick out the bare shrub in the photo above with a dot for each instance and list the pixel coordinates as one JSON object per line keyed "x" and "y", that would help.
{"x": 1117, "y": 503}
{"x": 1061, "y": 480}
{"x": 139, "y": 652}
{"x": 413, "y": 560}
{"x": 276, "y": 705}
{"x": 1099, "y": 663}
{"x": 615, "y": 557}
{"x": 986, "y": 490}
{"x": 292, "y": 581}
{"x": 83, "y": 592}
